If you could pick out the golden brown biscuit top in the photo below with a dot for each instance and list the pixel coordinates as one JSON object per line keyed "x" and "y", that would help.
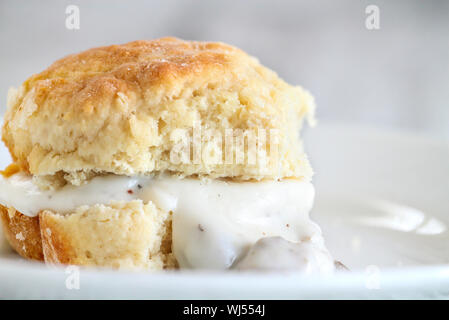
{"x": 98, "y": 73}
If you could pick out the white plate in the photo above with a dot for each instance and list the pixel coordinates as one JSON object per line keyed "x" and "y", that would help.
{"x": 382, "y": 201}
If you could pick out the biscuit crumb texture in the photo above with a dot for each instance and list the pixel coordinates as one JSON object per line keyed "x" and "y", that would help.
{"x": 123, "y": 235}
{"x": 120, "y": 109}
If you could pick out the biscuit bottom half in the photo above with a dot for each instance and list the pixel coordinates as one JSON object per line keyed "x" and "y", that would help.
{"x": 123, "y": 235}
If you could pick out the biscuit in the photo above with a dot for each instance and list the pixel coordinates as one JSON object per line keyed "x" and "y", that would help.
{"x": 119, "y": 109}
{"x": 123, "y": 235}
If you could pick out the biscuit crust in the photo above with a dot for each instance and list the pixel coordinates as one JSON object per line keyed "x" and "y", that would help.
{"x": 119, "y": 108}
{"x": 23, "y": 233}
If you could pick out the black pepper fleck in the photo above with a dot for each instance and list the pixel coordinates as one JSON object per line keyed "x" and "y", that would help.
{"x": 139, "y": 186}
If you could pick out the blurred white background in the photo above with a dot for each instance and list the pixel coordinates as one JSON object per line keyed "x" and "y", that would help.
{"x": 395, "y": 77}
